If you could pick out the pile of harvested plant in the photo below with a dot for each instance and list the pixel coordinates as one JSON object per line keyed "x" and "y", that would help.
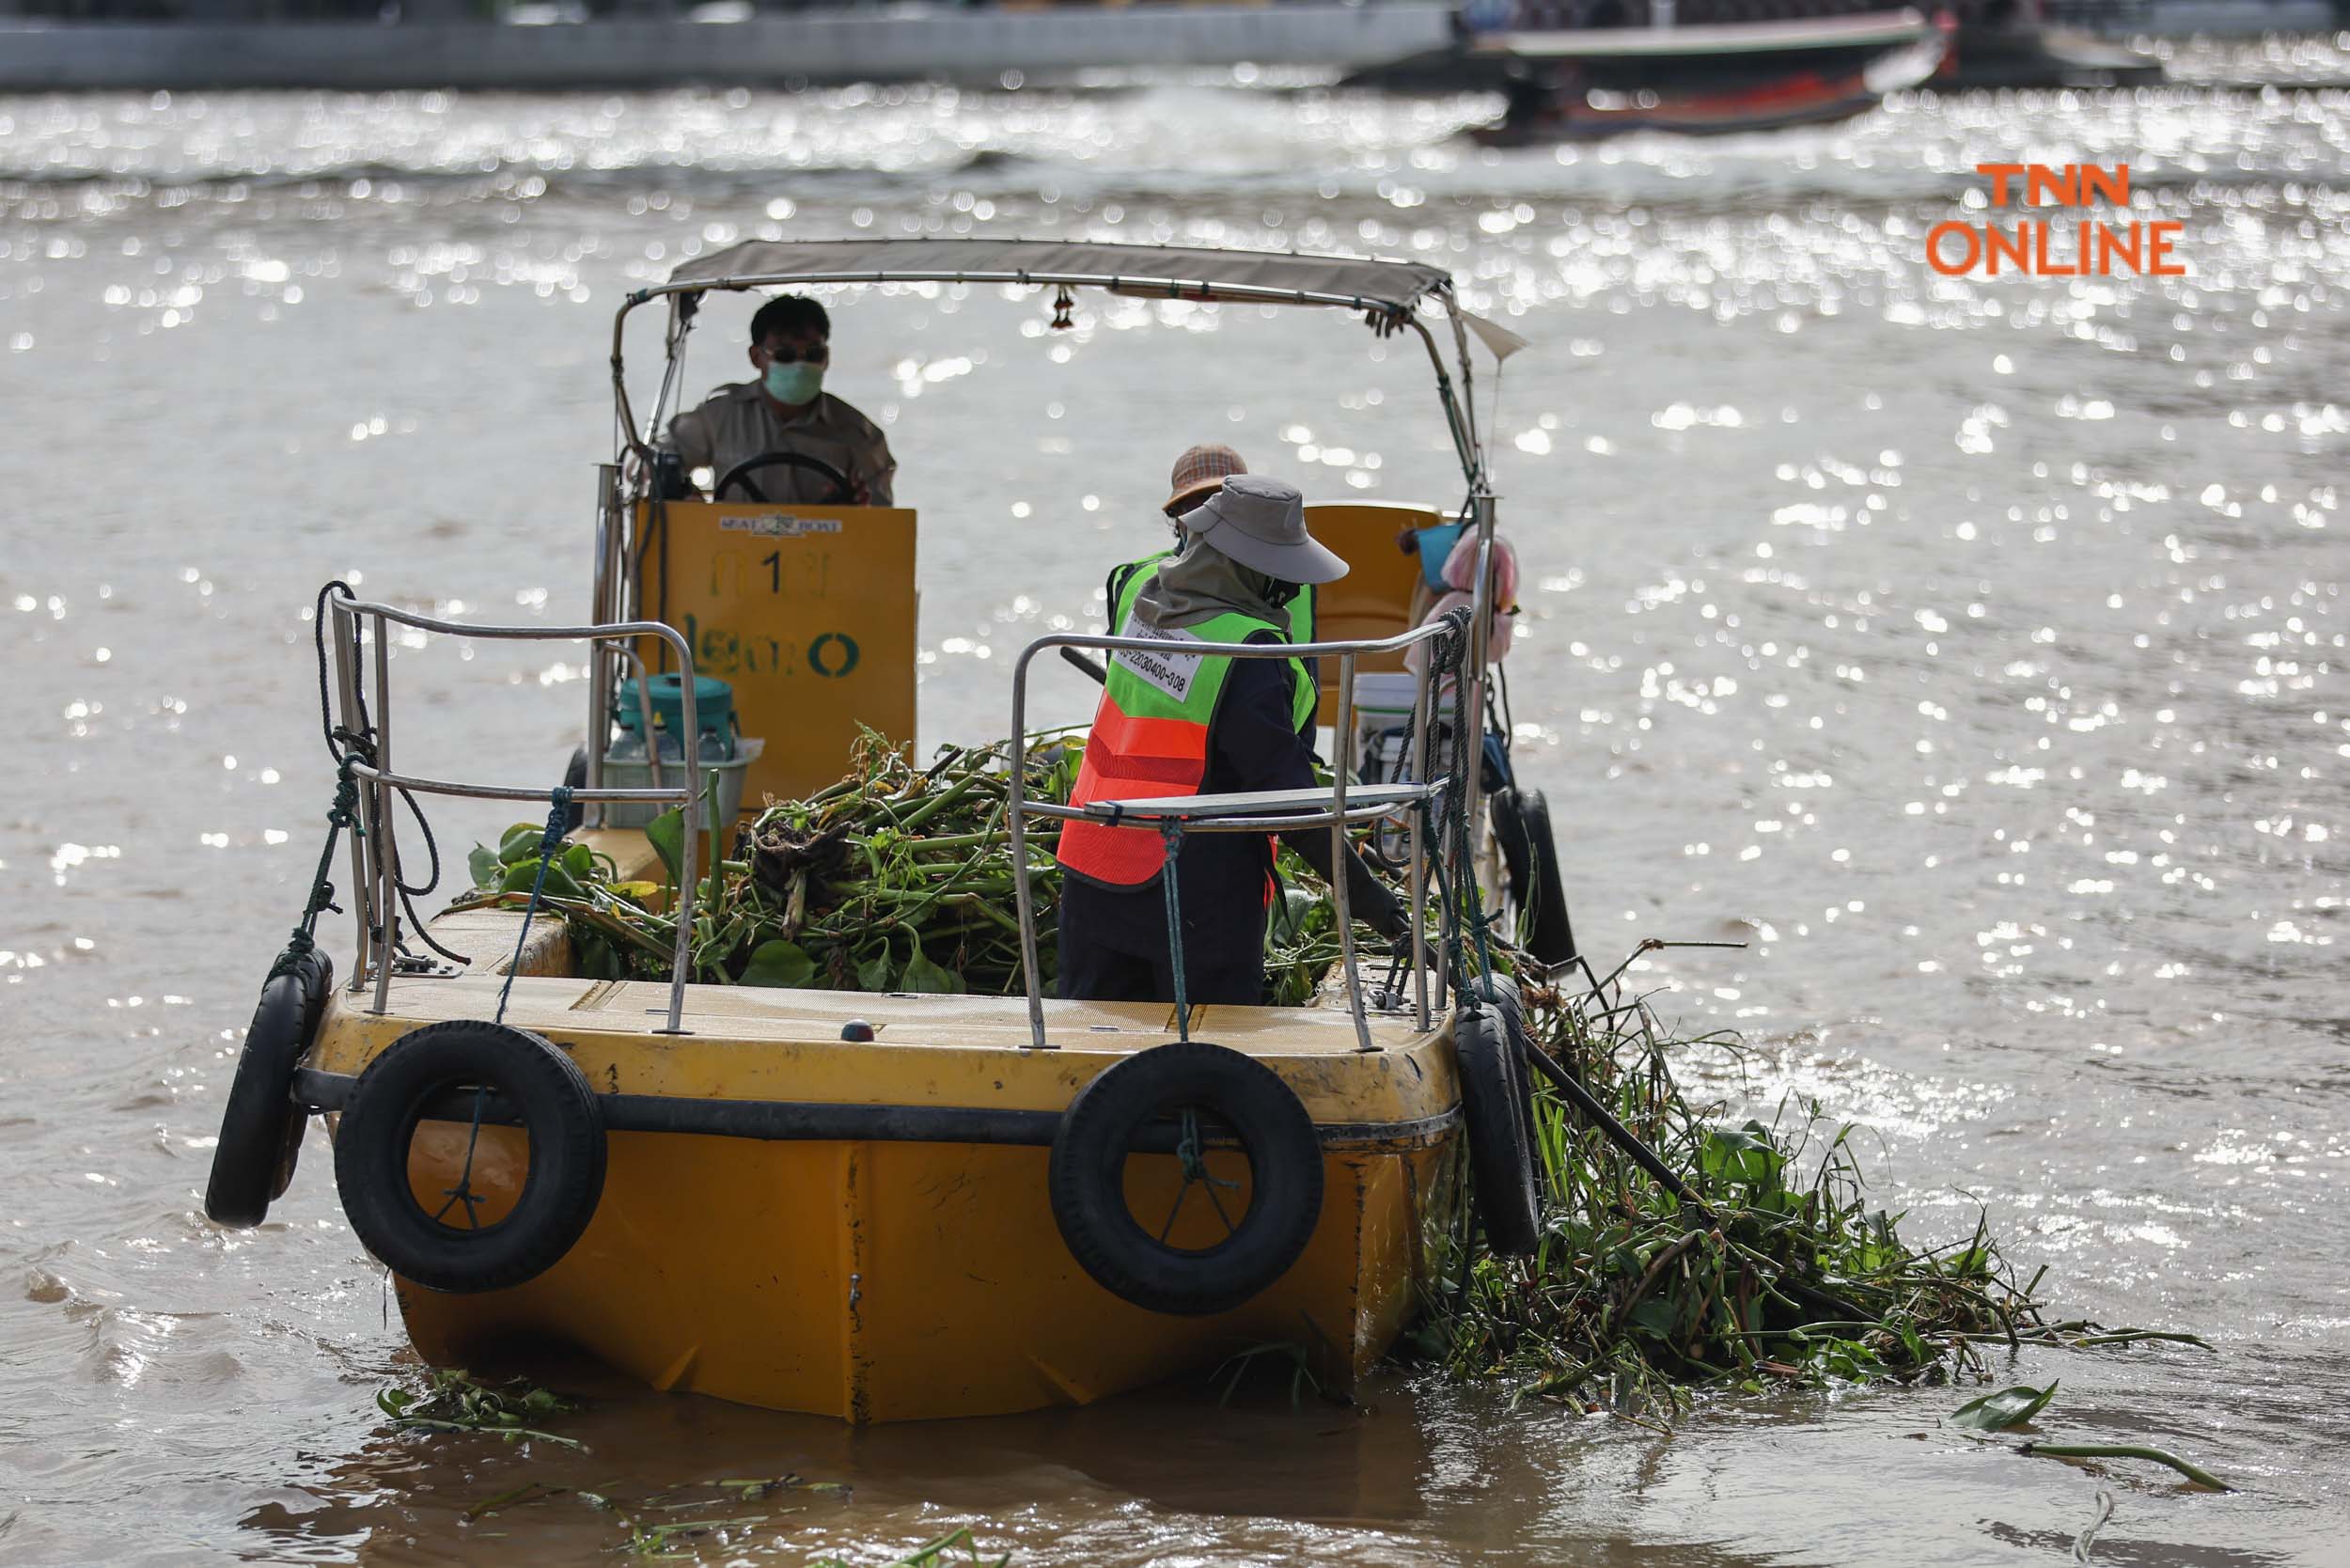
{"x": 896, "y": 878}
{"x": 1755, "y": 1259}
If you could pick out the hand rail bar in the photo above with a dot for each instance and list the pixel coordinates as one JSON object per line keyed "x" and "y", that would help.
{"x": 1018, "y": 809}
{"x": 380, "y": 880}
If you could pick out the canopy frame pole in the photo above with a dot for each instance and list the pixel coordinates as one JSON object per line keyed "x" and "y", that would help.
{"x": 1466, "y": 439}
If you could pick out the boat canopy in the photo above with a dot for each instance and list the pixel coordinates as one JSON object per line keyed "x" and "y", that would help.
{"x": 1277, "y": 277}
{"x": 1388, "y": 293}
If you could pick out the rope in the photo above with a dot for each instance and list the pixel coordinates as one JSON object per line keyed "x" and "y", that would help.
{"x": 347, "y": 747}
{"x": 339, "y": 816}
{"x": 558, "y": 824}
{"x": 1465, "y": 917}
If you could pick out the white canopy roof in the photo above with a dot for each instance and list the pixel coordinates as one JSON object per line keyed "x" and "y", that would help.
{"x": 1173, "y": 272}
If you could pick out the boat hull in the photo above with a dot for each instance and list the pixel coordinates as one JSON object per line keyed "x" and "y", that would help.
{"x": 863, "y": 1228}
{"x": 911, "y": 1281}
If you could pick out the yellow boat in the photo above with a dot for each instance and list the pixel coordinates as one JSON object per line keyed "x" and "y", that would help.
{"x": 888, "y": 1207}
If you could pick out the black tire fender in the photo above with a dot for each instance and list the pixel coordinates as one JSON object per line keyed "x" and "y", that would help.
{"x": 1497, "y": 1115}
{"x": 431, "y": 1073}
{"x": 1550, "y": 934}
{"x": 1112, "y": 1117}
{"x": 261, "y": 1126}
{"x": 1502, "y": 991}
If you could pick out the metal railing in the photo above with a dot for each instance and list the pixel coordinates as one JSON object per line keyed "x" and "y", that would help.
{"x": 360, "y": 628}
{"x": 1338, "y": 816}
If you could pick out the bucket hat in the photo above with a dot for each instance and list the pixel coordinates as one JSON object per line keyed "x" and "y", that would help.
{"x": 1198, "y": 472}
{"x": 1260, "y": 522}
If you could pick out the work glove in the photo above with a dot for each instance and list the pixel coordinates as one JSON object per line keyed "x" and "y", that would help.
{"x": 1380, "y": 909}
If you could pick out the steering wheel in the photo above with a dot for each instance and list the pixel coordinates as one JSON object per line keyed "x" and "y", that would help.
{"x": 739, "y": 475}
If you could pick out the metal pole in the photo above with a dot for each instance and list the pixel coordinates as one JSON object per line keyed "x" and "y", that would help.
{"x": 1015, "y": 808}
{"x": 386, "y": 849}
{"x": 1469, "y": 697}
{"x": 1342, "y": 759}
{"x": 1422, "y": 699}
{"x": 683, "y": 957}
{"x": 602, "y": 611}
{"x": 345, "y": 631}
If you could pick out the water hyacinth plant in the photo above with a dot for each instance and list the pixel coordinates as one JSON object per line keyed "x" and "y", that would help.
{"x": 1770, "y": 1267}
{"x": 896, "y": 878}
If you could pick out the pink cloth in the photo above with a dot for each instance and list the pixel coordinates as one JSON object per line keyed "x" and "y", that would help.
{"x": 1460, "y": 568}
{"x": 1460, "y": 575}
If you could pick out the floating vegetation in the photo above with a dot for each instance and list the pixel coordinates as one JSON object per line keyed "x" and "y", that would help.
{"x": 2014, "y": 1407}
{"x": 671, "y": 1525}
{"x": 1768, "y": 1267}
{"x": 1290, "y": 1359}
{"x": 955, "y": 1549}
{"x": 453, "y": 1402}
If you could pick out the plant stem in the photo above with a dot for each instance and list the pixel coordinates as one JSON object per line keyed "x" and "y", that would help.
{"x": 2124, "y": 1451}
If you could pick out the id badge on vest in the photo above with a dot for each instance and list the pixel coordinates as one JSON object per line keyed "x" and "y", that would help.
{"x": 1171, "y": 671}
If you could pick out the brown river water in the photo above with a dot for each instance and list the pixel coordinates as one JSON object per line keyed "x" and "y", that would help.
{"x": 1972, "y": 648}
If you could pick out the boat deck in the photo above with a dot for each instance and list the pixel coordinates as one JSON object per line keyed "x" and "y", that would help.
{"x": 785, "y": 1047}
{"x": 562, "y": 1008}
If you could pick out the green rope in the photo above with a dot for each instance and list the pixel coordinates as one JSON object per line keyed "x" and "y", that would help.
{"x": 1191, "y": 1156}
{"x": 343, "y": 814}
{"x": 558, "y": 825}
{"x": 1465, "y": 920}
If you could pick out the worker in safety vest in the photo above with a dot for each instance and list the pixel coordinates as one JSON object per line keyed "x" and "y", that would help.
{"x": 1174, "y": 723}
{"x": 1199, "y": 472}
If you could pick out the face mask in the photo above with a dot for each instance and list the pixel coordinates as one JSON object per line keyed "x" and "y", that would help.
{"x": 794, "y": 384}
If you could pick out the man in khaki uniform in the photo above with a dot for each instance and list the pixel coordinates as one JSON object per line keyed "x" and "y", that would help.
{"x": 787, "y": 410}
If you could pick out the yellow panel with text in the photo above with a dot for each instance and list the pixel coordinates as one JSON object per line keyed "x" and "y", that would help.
{"x": 806, "y": 611}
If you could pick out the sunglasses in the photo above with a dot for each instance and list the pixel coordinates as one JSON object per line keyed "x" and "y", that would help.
{"x": 819, "y": 354}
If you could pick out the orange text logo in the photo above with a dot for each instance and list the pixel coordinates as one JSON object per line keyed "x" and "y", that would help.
{"x": 2055, "y": 248}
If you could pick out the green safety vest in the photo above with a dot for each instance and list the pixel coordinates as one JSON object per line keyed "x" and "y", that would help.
{"x": 1150, "y": 735}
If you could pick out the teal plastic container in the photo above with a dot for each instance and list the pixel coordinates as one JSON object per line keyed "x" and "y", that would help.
{"x": 714, "y": 711}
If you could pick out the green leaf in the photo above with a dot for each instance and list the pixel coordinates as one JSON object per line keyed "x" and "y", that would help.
{"x": 873, "y": 974}
{"x": 780, "y": 964}
{"x": 925, "y": 976}
{"x": 2008, "y": 1408}
{"x": 520, "y": 842}
{"x": 1655, "y": 1315}
{"x": 667, "y": 833}
{"x": 1742, "y": 1156}
{"x": 485, "y": 865}
{"x": 521, "y": 878}
{"x": 579, "y": 861}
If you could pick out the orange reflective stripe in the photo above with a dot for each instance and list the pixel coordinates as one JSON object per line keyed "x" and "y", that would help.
{"x": 1159, "y": 750}
{"x": 1127, "y": 757}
